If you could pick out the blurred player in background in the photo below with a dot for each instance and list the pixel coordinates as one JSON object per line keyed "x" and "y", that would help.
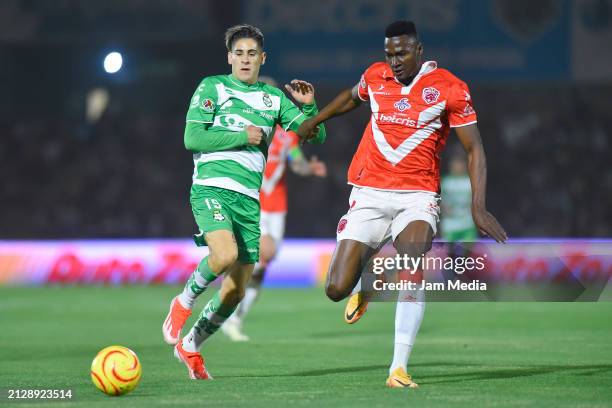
{"x": 395, "y": 174}
{"x": 456, "y": 221}
{"x": 457, "y": 226}
{"x": 284, "y": 150}
{"x": 230, "y": 124}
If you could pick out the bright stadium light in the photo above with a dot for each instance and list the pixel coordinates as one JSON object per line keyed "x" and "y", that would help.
{"x": 113, "y": 62}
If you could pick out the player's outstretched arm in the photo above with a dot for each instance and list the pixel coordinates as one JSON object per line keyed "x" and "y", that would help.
{"x": 346, "y": 101}
{"x": 199, "y": 138}
{"x": 469, "y": 136}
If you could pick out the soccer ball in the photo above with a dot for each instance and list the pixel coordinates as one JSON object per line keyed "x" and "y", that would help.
{"x": 116, "y": 370}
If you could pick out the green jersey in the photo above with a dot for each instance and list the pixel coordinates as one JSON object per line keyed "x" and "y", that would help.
{"x": 457, "y": 201}
{"x": 224, "y": 107}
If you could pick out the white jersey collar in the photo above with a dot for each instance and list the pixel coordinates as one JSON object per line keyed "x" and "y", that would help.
{"x": 426, "y": 68}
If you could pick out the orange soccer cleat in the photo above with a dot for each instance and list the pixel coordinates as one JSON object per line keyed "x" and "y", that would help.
{"x": 177, "y": 316}
{"x": 193, "y": 361}
{"x": 400, "y": 379}
{"x": 355, "y": 308}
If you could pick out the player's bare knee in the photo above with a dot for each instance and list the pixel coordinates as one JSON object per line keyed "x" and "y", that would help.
{"x": 424, "y": 247}
{"x": 223, "y": 258}
{"x": 267, "y": 250}
{"x": 335, "y": 292}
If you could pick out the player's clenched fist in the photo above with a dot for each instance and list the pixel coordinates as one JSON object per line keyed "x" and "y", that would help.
{"x": 254, "y": 135}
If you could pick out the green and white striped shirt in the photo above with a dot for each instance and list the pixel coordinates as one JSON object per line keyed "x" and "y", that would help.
{"x": 223, "y": 103}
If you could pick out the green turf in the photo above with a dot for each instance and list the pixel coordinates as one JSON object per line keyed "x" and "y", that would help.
{"x": 301, "y": 353}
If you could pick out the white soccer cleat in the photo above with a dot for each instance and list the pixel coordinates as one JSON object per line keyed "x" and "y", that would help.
{"x": 233, "y": 329}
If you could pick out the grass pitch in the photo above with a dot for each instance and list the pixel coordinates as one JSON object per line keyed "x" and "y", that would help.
{"x": 301, "y": 352}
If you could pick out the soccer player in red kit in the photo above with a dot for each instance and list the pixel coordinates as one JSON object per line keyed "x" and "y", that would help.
{"x": 395, "y": 174}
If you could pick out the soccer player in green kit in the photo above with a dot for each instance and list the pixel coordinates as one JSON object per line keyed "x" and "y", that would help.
{"x": 230, "y": 124}
{"x": 457, "y": 224}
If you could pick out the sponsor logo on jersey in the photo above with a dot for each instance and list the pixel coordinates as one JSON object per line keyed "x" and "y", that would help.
{"x": 265, "y": 115}
{"x": 195, "y": 101}
{"x": 430, "y": 95}
{"x": 382, "y": 118}
{"x": 341, "y": 225}
{"x": 232, "y": 121}
{"x": 267, "y": 101}
{"x": 208, "y": 105}
{"x": 468, "y": 110}
{"x": 402, "y": 104}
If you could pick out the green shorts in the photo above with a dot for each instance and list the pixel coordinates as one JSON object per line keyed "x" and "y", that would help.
{"x": 220, "y": 209}
{"x": 460, "y": 235}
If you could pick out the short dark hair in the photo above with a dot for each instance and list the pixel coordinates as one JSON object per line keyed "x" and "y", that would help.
{"x": 237, "y": 32}
{"x": 401, "y": 27}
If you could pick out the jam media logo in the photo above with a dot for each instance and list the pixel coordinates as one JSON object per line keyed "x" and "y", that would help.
{"x": 266, "y": 100}
{"x": 208, "y": 105}
{"x": 402, "y": 104}
{"x": 430, "y": 95}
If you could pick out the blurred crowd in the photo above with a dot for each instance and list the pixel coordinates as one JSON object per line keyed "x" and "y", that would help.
{"x": 128, "y": 175}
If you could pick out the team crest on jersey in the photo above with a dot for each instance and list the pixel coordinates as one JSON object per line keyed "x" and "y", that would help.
{"x": 208, "y": 105}
{"x": 433, "y": 209}
{"x": 341, "y": 225}
{"x": 267, "y": 101}
{"x": 402, "y": 104}
{"x": 430, "y": 95}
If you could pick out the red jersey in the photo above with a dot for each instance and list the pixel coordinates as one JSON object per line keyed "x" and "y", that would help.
{"x": 401, "y": 145}
{"x": 273, "y": 194}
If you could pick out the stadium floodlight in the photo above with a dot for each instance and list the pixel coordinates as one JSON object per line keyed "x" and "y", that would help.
{"x": 113, "y": 62}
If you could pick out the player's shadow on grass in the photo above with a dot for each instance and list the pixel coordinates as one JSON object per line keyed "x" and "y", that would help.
{"x": 507, "y": 373}
{"x": 314, "y": 373}
{"x": 346, "y": 333}
{"x": 458, "y": 376}
{"x": 338, "y": 370}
